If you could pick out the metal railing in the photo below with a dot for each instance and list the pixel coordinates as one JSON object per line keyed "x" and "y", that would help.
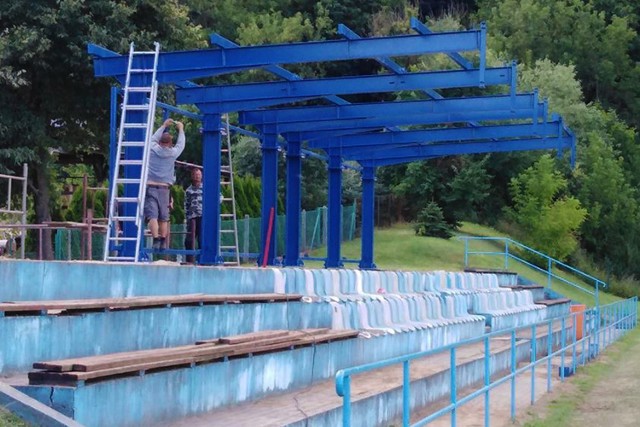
{"x": 22, "y": 212}
{"x": 510, "y": 253}
{"x": 599, "y": 330}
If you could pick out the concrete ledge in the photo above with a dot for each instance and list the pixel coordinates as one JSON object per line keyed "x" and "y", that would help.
{"x": 32, "y": 411}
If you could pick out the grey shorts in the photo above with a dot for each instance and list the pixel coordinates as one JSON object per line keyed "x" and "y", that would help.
{"x": 156, "y": 203}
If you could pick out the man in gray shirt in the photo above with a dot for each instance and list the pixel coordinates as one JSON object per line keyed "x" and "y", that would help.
{"x": 161, "y": 176}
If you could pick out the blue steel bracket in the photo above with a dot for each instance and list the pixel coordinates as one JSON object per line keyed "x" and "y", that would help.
{"x": 185, "y": 65}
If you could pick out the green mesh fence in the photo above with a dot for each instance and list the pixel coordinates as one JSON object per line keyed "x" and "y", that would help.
{"x": 313, "y": 235}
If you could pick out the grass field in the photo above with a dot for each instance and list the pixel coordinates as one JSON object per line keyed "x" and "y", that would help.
{"x": 399, "y": 248}
{"x": 8, "y": 420}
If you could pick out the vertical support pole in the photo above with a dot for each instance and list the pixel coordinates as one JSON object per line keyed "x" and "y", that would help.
{"x": 573, "y": 347}
{"x": 562, "y": 346}
{"x": 506, "y": 254}
{"x": 346, "y": 402}
{"x": 406, "y": 394}
{"x": 466, "y": 252}
{"x": 549, "y": 351}
{"x": 294, "y": 173}
{"x": 487, "y": 381}
{"x": 269, "y": 194}
{"x": 113, "y": 138}
{"x": 211, "y": 157}
{"x": 303, "y": 230}
{"x": 534, "y": 355}
{"x": 368, "y": 206}
{"x": 454, "y": 389}
{"x": 23, "y": 232}
{"x": 133, "y": 171}
{"x": 245, "y": 237}
{"x": 85, "y": 185}
{"x": 549, "y": 273}
{"x": 513, "y": 375}
{"x": 335, "y": 214}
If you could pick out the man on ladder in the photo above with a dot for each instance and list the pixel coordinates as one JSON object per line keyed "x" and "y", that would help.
{"x": 163, "y": 155}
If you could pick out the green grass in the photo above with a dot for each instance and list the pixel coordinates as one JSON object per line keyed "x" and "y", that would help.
{"x": 399, "y": 248}
{"x": 561, "y": 410}
{"x": 10, "y": 420}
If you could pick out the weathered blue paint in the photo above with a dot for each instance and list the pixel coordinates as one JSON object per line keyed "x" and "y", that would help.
{"x": 334, "y": 237}
{"x": 211, "y": 158}
{"x": 368, "y": 207}
{"x": 32, "y": 410}
{"x": 39, "y": 338}
{"x": 294, "y": 176}
{"x": 269, "y": 197}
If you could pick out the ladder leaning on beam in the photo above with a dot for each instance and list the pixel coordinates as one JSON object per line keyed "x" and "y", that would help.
{"x": 127, "y": 156}
{"x": 229, "y": 247}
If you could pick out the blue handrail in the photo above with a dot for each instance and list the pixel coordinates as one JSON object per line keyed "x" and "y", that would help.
{"x": 551, "y": 262}
{"x": 598, "y": 325}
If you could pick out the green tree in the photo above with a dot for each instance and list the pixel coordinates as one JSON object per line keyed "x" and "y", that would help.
{"x": 546, "y": 218}
{"x": 51, "y": 102}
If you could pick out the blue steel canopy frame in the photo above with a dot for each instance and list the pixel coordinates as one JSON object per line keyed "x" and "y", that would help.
{"x": 367, "y": 133}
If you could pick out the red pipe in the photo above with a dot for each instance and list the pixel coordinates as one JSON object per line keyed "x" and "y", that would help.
{"x": 268, "y": 242}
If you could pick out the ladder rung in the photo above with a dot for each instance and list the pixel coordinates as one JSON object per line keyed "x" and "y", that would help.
{"x": 228, "y": 247}
{"x": 225, "y": 182}
{"x": 127, "y": 199}
{"x": 123, "y": 239}
{"x": 230, "y": 263}
{"x": 142, "y": 70}
{"x": 143, "y": 107}
{"x": 227, "y": 199}
{"x": 121, "y": 258}
{"x": 226, "y": 215}
{"x": 144, "y": 52}
{"x": 135, "y": 125}
{"x": 227, "y": 231}
{"x": 139, "y": 89}
{"x": 125, "y": 218}
{"x": 130, "y": 162}
{"x": 224, "y": 150}
{"x": 132, "y": 143}
{"x": 128, "y": 180}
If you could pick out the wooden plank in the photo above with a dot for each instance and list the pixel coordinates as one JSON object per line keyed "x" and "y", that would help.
{"x": 550, "y": 302}
{"x": 139, "y": 301}
{"x": 253, "y": 336}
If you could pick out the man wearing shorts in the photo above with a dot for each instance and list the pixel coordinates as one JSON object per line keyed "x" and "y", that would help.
{"x": 161, "y": 176}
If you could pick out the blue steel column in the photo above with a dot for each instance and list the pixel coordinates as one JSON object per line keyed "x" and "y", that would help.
{"x": 211, "y": 150}
{"x": 368, "y": 205}
{"x": 133, "y": 153}
{"x": 334, "y": 212}
{"x": 113, "y": 133}
{"x": 294, "y": 173}
{"x": 269, "y": 194}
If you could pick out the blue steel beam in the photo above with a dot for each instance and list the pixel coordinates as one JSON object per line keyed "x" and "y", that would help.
{"x": 387, "y": 109}
{"x": 420, "y": 28}
{"x": 352, "y": 126}
{"x": 409, "y": 154}
{"x": 383, "y": 139}
{"x": 207, "y": 62}
{"x": 277, "y": 70}
{"x": 235, "y": 97}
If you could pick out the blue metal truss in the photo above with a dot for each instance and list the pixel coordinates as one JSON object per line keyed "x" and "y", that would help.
{"x": 370, "y": 133}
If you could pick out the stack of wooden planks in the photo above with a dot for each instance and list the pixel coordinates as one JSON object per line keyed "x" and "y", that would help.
{"x": 74, "y": 372}
{"x": 550, "y": 302}
{"x": 17, "y": 308}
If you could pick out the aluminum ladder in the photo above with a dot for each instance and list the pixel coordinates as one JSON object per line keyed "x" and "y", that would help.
{"x": 229, "y": 247}
{"x": 144, "y": 82}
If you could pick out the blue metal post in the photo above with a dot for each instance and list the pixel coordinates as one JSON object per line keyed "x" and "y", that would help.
{"x": 562, "y": 346}
{"x": 506, "y": 254}
{"x": 549, "y": 273}
{"x": 534, "y": 354}
{"x": 113, "y": 134}
{"x": 406, "y": 394}
{"x": 466, "y": 252}
{"x": 294, "y": 172}
{"x": 549, "y": 351}
{"x": 368, "y": 206}
{"x": 133, "y": 171}
{"x": 454, "y": 387}
{"x": 269, "y": 194}
{"x": 575, "y": 338}
{"x": 487, "y": 381}
{"x": 346, "y": 402}
{"x": 211, "y": 156}
{"x": 335, "y": 212}
{"x": 513, "y": 373}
